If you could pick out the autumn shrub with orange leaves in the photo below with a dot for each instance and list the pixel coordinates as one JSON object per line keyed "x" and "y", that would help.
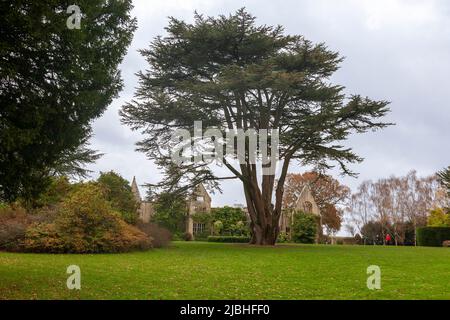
{"x": 13, "y": 225}
{"x": 85, "y": 223}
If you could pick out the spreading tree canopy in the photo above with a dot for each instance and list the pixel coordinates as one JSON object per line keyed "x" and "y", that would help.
{"x": 54, "y": 80}
{"x": 231, "y": 74}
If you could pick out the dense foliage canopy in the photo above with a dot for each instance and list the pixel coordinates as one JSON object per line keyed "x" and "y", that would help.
{"x": 54, "y": 82}
{"x": 118, "y": 192}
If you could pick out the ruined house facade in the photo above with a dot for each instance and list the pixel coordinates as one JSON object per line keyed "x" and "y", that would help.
{"x": 200, "y": 202}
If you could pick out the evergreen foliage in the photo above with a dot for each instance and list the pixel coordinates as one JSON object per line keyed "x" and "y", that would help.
{"x": 54, "y": 82}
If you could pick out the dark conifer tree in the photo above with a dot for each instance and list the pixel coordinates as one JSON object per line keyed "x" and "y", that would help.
{"x": 54, "y": 81}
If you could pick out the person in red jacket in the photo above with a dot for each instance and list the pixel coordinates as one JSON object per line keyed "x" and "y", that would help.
{"x": 388, "y": 239}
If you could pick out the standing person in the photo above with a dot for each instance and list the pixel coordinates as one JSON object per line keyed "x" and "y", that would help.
{"x": 388, "y": 239}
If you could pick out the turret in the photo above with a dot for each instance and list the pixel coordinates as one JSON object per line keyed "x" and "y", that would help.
{"x": 135, "y": 190}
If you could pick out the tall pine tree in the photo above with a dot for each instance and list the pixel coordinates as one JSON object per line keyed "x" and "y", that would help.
{"x": 232, "y": 74}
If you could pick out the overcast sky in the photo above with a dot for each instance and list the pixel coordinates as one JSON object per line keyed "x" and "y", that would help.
{"x": 396, "y": 50}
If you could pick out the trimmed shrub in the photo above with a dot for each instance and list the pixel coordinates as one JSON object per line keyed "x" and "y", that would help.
{"x": 432, "y": 236}
{"x": 349, "y": 241}
{"x": 201, "y": 236}
{"x": 187, "y": 236}
{"x": 304, "y": 228}
{"x": 283, "y": 237}
{"x": 229, "y": 239}
{"x": 161, "y": 236}
{"x": 217, "y": 227}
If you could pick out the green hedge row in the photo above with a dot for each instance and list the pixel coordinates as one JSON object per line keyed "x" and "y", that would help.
{"x": 432, "y": 236}
{"x": 230, "y": 239}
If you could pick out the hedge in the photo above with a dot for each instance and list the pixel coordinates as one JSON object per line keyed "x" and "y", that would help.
{"x": 230, "y": 239}
{"x": 432, "y": 236}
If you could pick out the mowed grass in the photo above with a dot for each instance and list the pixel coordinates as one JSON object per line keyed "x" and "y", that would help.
{"x": 195, "y": 270}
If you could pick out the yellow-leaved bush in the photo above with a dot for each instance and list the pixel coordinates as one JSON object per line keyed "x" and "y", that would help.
{"x": 438, "y": 217}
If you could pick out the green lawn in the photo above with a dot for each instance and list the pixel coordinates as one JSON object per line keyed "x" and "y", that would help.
{"x": 195, "y": 270}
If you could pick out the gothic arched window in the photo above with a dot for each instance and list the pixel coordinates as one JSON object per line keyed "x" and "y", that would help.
{"x": 308, "y": 207}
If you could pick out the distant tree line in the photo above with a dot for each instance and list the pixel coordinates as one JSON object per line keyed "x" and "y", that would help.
{"x": 396, "y": 206}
